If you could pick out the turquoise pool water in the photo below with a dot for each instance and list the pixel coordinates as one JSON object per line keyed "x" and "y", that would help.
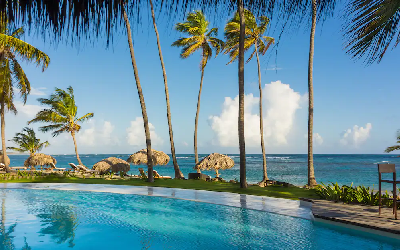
{"x": 52, "y": 219}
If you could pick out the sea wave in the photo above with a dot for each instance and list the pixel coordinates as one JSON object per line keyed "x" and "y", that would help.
{"x": 183, "y": 157}
{"x": 278, "y": 157}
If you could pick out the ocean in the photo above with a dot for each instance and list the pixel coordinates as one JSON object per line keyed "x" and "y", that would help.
{"x": 359, "y": 169}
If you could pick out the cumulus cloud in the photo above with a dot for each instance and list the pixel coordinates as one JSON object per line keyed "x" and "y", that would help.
{"x": 280, "y": 103}
{"x": 97, "y": 135}
{"x": 27, "y": 109}
{"x": 356, "y": 135}
{"x": 136, "y": 136}
{"x": 34, "y": 91}
{"x": 185, "y": 144}
{"x": 317, "y": 138}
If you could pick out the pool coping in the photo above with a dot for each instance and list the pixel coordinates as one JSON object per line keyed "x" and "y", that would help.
{"x": 292, "y": 208}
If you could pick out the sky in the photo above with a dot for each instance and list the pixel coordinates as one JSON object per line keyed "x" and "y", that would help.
{"x": 355, "y": 106}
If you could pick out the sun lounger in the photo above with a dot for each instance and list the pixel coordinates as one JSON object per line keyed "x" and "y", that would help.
{"x": 53, "y": 167}
{"x": 80, "y": 168}
{"x": 157, "y": 175}
{"x": 3, "y": 167}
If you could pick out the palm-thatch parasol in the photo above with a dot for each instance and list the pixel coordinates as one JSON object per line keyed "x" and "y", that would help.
{"x": 140, "y": 157}
{"x": 215, "y": 161}
{"x": 7, "y": 158}
{"x": 111, "y": 164}
{"x": 39, "y": 160}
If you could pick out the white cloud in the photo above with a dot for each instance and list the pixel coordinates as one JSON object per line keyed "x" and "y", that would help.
{"x": 27, "y": 109}
{"x": 38, "y": 91}
{"x": 356, "y": 136}
{"x": 136, "y": 135}
{"x": 317, "y": 138}
{"x": 97, "y": 135}
{"x": 185, "y": 144}
{"x": 274, "y": 68}
{"x": 280, "y": 104}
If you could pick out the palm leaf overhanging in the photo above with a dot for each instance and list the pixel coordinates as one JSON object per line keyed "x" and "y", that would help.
{"x": 27, "y": 142}
{"x": 373, "y": 27}
{"x": 395, "y": 147}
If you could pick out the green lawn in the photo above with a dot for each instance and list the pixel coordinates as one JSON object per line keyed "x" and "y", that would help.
{"x": 293, "y": 193}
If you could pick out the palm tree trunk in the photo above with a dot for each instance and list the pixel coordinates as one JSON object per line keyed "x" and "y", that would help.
{"x": 3, "y": 137}
{"x": 311, "y": 178}
{"x": 196, "y": 156}
{"x": 141, "y": 98}
{"x": 242, "y": 147}
{"x": 76, "y": 149}
{"x": 178, "y": 173}
{"x": 265, "y": 176}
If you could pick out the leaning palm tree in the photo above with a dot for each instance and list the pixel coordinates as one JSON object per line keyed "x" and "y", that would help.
{"x": 373, "y": 24}
{"x": 61, "y": 114}
{"x": 141, "y": 97}
{"x": 200, "y": 37}
{"x": 178, "y": 173}
{"x": 395, "y": 147}
{"x": 11, "y": 73}
{"x": 254, "y": 36}
{"x": 27, "y": 142}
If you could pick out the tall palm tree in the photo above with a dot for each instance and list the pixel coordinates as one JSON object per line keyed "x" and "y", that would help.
{"x": 27, "y": 142}
{"x": 11, "y": 73}
{"x": 141, "y": 97}
{"x": 62, "y": 115}
{"x": 254, "y": 36}
{"x": 242, "y": 146}
{"x": 395, "y": 147}
{"x": 178, "y": 173}
{"x": 200, "y": 37}
{"x": 373, "y": 24}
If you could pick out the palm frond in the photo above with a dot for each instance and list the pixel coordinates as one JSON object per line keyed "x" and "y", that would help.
{"x": 85, "y": 117}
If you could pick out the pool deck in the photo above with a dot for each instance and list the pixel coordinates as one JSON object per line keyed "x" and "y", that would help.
{"x": 357, "y": 215}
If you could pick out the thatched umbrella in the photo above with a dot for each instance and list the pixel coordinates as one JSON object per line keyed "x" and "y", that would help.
{"x": 39, "y": 160}
{"x": 140, "y": 157}
{"x": 111, "y": 164}
{"x": 215, "y": 161}
{"x": 1, "y": 158}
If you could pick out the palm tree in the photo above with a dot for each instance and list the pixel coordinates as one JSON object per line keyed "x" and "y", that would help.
{"x": 61, "y": 114}
{"x": 27, "y": 142}
{"x": 178, "y": 173}
{"x": 242, "y": 146}
{"x": 200, "y": 37}
{"x": 11, "y": 73}
{"x": 254, "y": 36}
{"x": 395, "y": 147}
{"x": 141, "y": 97}
{"x": 372, "y": 26}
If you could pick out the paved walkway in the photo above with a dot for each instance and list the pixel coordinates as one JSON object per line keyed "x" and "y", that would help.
{"x": 358, "y": 215}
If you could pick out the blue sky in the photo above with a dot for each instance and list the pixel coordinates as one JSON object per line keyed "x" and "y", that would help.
{"x": 355, "y": 105}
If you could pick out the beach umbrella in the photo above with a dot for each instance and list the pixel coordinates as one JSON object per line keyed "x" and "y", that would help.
{"x": 111, "y": 164}
{"x": 39, "y": 160}
{"x": 140, "y": 157}
{"x": 7, "y": 158}
{"x": 216, "y": 162}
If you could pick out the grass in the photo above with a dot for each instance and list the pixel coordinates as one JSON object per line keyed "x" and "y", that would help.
{"x": 293, "y": 193}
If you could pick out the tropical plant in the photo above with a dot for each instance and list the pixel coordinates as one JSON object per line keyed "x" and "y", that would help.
{"x": 372, "y": 26}
{"x": 141, "y": 97}
{"x": 395, "y": 147}
{"x": 62, "y": 115}
{"x": 200, "y": 37}
{"x": 27, "y": 142}
{"x": 178, "y": 172}
{"x": 12, "y": 76}
{"x": 254, "y": 36}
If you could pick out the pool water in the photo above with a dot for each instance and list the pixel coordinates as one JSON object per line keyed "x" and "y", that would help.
{"x": 53, "y": 219}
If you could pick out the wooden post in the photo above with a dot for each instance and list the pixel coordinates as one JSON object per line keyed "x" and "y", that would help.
{"x": 380, "y": 193}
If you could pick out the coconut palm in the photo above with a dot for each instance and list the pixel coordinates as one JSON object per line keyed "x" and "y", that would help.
{"x": 178, "y": 173}
{"x": 373, "y": 24}
{"x": 254, "y": 36}
{"x": 62, "y": 115}
{"x": 395, "y": 147}
{"x": 141, "y": 97}
{"x": 242, "y": 146}
{"x": 27, "y": 142}
{"x": 200, "y": 37}
{"x": 12, "y": 76}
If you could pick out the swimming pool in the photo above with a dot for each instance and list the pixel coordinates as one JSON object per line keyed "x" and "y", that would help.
{"x": 55, "y": 219}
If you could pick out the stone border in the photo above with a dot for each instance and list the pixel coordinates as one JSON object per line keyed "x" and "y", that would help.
{"x": 280, "y": 206}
